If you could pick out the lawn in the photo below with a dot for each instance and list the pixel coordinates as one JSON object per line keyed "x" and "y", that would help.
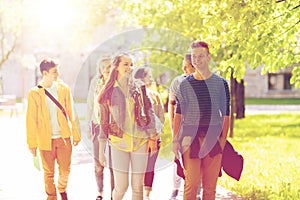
{"x": 270, "y": 147}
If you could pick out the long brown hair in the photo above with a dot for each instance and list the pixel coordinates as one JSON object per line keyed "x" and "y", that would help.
{"x": 106, "y": 91}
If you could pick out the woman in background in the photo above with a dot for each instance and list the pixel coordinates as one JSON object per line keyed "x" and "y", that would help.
{"x": 93, "y": 128}
{"x": 144, "y": 74}
{"x": 127, "y": 119}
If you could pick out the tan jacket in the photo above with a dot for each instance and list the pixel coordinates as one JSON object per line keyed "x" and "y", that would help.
{"x": 38, "y": 127}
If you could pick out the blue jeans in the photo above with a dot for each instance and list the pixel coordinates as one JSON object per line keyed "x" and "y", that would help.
{"x": 98, "y": 167}
{"x": 149, "y": 175}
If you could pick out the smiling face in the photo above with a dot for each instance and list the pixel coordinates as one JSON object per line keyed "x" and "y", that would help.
{"x": 125, "y": 66}
{"x": 50, "y": 71}
{"x": 51, "y": 75}
{"x": 187, "y": 68}
{"x": 200, "y": 58}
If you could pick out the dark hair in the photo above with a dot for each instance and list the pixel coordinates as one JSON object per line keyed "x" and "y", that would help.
{"x": 47, "y": 64}
{"x": 188, "y": 57}
{"x": 106, "y": 91}
{"x": 141, "y": 72}
{"x": 197, "y": 44}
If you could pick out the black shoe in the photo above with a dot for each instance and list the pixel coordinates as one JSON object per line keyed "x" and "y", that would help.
{"x": 99, "y": 198}
{"x": 64, "y": 196}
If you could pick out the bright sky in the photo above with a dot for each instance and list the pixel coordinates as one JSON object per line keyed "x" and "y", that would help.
{"x": 52, "y": 23}
{"x": 55, "y": 14}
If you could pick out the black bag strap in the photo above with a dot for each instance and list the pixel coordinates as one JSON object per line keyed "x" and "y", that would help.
{"x": 55, "y": 101}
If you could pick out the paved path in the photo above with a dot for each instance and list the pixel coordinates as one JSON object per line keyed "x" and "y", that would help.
{"x": 20, "y": 180}
{"x": 272, "y": 109}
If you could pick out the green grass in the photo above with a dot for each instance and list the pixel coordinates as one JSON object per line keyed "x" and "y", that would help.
{"x": 270, "y": 147}
{"x": 269, "y": 101}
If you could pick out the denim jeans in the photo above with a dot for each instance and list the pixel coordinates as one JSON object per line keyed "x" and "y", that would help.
{"x": 176, "y": 178}
{"x": 149, "y": 175}
{"x": 99, "y": 169}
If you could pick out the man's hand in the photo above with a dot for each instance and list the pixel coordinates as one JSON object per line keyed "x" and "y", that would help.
{"x": 175, "y": 148}
{"x": 33, "y": 151}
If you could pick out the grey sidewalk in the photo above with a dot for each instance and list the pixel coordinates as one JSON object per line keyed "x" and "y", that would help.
{"x": 272, "y": 109}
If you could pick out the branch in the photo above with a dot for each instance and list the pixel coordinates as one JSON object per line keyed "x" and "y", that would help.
{"x": 295, "y": 7}
{"x": 286, "y": 32}
{"x": 278, "y": 15}
{"x": 6, "y": 56}
{"x": 290, "y": 28}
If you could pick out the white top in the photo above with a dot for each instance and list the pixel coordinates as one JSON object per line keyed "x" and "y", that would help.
{"x": 52, "y": 107}
{"x": 92, "y": 104}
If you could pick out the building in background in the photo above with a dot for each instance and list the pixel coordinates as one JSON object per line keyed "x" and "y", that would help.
{"x": 269, "y": 85}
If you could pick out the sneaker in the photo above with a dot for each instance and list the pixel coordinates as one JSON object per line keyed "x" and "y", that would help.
{"x": 64, "y": 196}
{"x": 99, "y": 198}
{"x": 147, "y": 198}
{"x": 174, "y": 195}
{"x": 198, "y": 197}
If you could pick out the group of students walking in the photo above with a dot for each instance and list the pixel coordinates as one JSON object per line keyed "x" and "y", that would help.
{"x": 126, "y": 119}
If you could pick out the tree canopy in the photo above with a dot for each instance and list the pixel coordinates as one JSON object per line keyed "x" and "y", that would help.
{"x": 240, "y": 33}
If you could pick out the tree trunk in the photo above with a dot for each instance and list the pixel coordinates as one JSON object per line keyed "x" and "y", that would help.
{"x": 237, "y": 101}
{"x": 232, "y": 103}
{"x": 240, "y": 99}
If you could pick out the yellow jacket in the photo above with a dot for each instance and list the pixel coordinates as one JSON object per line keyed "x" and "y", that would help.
{"x": 38, "y": 127}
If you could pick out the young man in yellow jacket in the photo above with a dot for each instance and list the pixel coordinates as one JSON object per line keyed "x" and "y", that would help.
{"x": 50, "y": 130}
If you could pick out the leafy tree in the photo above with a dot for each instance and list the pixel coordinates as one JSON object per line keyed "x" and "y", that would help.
{"x": 240, "y": 33}
{"x": 256, "y": 32}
